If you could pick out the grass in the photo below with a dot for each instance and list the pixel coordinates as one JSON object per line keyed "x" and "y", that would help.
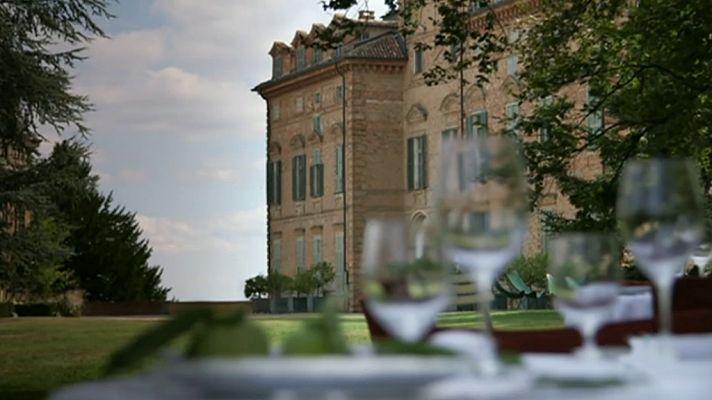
{"x": 38, "y": 355}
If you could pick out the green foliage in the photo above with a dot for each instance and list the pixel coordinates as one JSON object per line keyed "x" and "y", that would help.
{"x": 109, "y": 258}
{"x": 278, "y": 283}
{"x": 6, "y": 309}
{"x": 531, "y": 269}
{"x": 229, "y": 336}
{"x": 648, "y": 66}
{"x": 152, "y": 341}
{"x": 323, "y": 274}
{"x": 318, "y": 336}
{"x": 256, "y": 287}
{"x": 304, "y": 282}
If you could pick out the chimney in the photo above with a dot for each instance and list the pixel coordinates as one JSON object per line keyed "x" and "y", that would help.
{"x": 366, "y": 15}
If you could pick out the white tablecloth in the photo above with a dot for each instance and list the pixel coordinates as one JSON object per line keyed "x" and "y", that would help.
{"x": 628, "y": 307}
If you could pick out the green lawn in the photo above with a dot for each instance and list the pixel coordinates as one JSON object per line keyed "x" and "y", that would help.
{"x": 39, "y": 354}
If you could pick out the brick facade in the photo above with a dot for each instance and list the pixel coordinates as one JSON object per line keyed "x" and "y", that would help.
{"x": 386, "y": 103}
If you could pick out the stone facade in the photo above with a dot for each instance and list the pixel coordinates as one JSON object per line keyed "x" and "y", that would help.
{"x": 386, "y": 102}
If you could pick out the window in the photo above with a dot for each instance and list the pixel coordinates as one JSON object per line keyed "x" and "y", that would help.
{"x": 340, "y": 260}
{"x": 299, "y": 177}
{"x": 339, "y": 92}
{"x": 301, "y": 261}
{"x": 317, "y": 99}
{"x": 363, "y": 35}
{"x": 449, "y": 134}
{"x": 299, "y": 104}
{"x": 594, "y": 119}
{"x": 316, "y": 175}
{"x": 339, "y": 168}
{"x": 478, "y": 221}
{"x": 419, "y": 62}
{"x": 277, "y": 67}
{"x": 417, "y": 163}
{"x": 316, "y": 255}
{"x": 454, "y": 52}
{"x": 477, "y": 124}
{"x": 301, "y": 60}
{"x": 511, "y": 114}
{"x": 317, "y": 55}
{"x": 546, "y": 102}
{"x": 316, "y": 124}
{"x": 544, "y": 229}
{"x": 512, "y": 65}
{"x": 276, "y": 255}
{"x": 339, "y": 50}
{"x": 274, "y": 183}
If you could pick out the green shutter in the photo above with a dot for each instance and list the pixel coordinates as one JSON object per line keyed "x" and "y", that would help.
{"x": 317, "y": 250}
{"x": 300, "y": 254}
{"x": 470, "y": 125}
{"x": 303, "y": 175}
{"x": 320, "y": 179}
{"x": 295, "y": 180}
{"x": 424, "y": 162}
{"x": 278, "y": 182}
{"x": 484, "y": 129}
{"x": 312, "y": 181}
{"x": 339, "y": 168}
{"x": 411, "y": 178}
{"x": 276, "y": 255}
{"x": 339, "y": 260}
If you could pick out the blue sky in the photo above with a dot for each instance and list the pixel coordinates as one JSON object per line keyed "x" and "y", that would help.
{"x": 178, "y": 136}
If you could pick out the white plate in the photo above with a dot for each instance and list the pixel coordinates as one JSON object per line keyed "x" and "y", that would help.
{"x": 258, "y": 377}
{"x": 565, "y": 367}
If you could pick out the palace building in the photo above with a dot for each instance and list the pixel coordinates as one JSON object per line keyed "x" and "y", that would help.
{"x": 355, "y": 133}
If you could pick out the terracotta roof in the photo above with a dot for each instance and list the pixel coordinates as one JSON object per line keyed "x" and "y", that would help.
{"x": 389, "y": 46}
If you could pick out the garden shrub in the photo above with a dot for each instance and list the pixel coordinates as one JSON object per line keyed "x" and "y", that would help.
{"x": 532, "y": 270}
{"x": 6, "y": 309}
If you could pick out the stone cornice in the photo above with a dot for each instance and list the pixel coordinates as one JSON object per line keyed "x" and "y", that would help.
{"x": 326, "y": 71}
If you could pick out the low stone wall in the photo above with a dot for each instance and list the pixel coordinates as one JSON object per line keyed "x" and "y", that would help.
{"x": 215, "y": 306}
{"x": 123, "y": 309}
{"x": 140, "y": 308}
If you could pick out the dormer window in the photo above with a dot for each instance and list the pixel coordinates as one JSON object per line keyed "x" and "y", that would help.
{"x": 301, "y": 58}
{"x": 317, "y": 55}
{"x": 277, "y": 67}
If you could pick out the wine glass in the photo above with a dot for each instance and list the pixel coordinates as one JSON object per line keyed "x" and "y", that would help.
{"x": 660, "y": 213}
{"x": 585, "y": 277}
{"x": 404, "y": 293}
{"x": 482, "y": 211}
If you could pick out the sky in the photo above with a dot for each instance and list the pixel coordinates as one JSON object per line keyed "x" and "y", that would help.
{"x": 179, "y": 137}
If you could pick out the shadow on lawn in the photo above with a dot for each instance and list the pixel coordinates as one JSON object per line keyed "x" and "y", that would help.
{"x": 18, "y": 394}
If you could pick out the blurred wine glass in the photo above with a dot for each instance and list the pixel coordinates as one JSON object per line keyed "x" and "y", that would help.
{"x": 482, "y": 210}
{"x": 404, "y": 292}
{"x": 585, "y": 276}
{"x": 701, "y": 256}
{"x": 661, "y": 216}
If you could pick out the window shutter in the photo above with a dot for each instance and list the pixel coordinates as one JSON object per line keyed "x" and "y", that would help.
{"x": 270, "y": 181}
{"x": 295, "y": 180}
{"x": 312, "y": 181}
{"x": 300, "y": 254}
{"x": 339, "y": 260}
{"x": 339, "y": 168}
{"x": 303, "y": 175}
{"x": 424, "y": 162}
{"x": 278, "y": 182}
{"x": 411, "y": 178}
{"x": 484, "y": 129}
{"x": 471, "y": 125}
{"x": 320, "y": 179}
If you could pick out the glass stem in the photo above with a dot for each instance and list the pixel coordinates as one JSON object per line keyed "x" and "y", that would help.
{"x": 665, "y": 287}
{"x": 589, "y": 348}
{"x": 489, "y": 366}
